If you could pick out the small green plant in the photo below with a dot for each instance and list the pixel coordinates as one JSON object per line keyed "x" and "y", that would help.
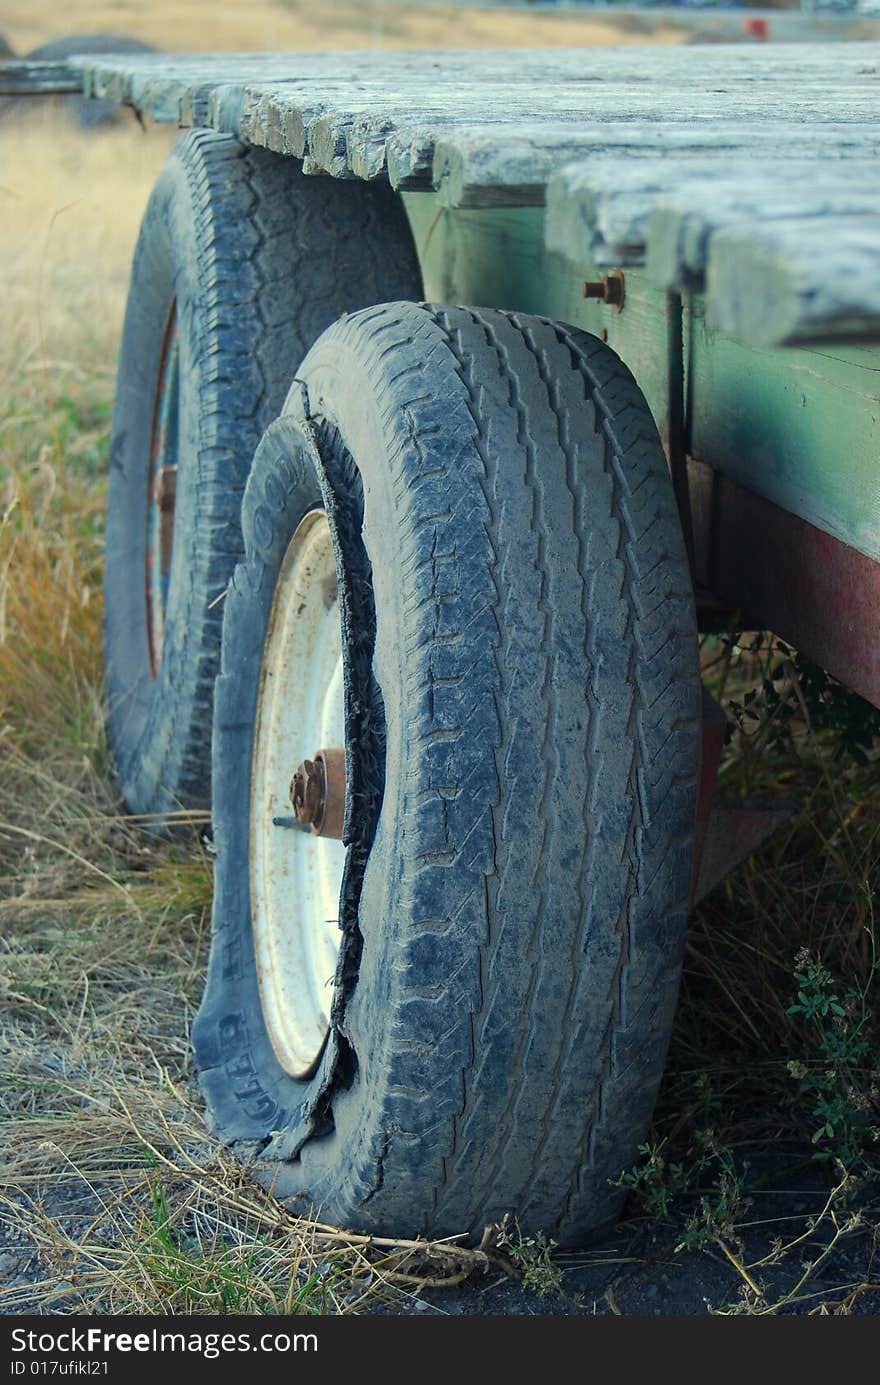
{"x": 714, "y": 1221}
{"x": 190, "y": 1275}
{"x": 531, "y": 1256}
{"x": 839, "y": 1075}
{"x": 656, "y": 1182}
{"x": 182, "y": 1270}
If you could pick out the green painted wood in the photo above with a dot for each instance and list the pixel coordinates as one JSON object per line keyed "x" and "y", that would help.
{"x": 798, "y": 426}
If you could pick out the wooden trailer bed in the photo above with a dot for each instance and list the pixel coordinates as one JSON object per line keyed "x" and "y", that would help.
{"x": 736, "y": 186}
{"x": 737, "y": 189}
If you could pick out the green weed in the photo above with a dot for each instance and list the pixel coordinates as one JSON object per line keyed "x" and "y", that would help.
{"x": 838, "y": 1074}
{"x": 531, "y": 1257}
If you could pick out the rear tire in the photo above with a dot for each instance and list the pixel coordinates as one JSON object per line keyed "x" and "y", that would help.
{"x": 240, "y": 265}
{"x": 522, "y": 727}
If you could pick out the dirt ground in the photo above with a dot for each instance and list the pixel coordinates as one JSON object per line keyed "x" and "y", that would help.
{"x": 638, "y": 1270}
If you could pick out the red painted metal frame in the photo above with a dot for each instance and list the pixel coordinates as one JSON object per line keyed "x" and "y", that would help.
{"x": 776, "y": 572}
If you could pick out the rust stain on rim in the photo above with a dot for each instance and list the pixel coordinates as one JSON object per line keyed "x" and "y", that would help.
{"x": 162, "y": 489}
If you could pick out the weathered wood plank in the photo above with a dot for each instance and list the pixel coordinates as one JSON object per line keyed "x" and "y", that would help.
{"x": 39, "y": 79}
{"x": 663, "y": 211}
{"x": 796, "y": 280}
{"x": 285, "y": 93}
{"x": 777, "y": 237}
{"x": 362, "y": 130}
{"x": 474, "y": 167}
{"x": 652, "y": 133}
{"x": 650, "y": 66}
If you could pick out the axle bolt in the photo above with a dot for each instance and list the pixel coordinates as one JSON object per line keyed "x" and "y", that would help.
{"x": 317, "y": 792}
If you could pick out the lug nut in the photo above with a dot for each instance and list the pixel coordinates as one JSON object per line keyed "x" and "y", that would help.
{"x": 317, "y": 792}
{"x": 307, "y": 792}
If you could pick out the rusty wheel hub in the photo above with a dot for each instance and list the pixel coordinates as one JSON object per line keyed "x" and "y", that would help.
{"x": 317, "y": 792}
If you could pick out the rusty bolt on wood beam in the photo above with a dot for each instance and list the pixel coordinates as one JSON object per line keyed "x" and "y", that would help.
{"x": 611, "y": 289}
{"x": 317, "y": 792}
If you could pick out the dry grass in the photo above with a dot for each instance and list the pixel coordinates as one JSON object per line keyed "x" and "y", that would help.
{"x": 812, "y": 888}
{"x": 114, "y": 1196}
{"x": 259, "y": 25}
{"x": 773, "y": 1080}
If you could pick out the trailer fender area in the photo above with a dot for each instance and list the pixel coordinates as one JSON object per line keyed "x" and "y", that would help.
{"x": 726, "y": 832}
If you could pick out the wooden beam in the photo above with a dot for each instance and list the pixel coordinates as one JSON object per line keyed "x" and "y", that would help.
{"x": 596, "y": 171}
{"x": 38, "y": 79}
{"x": 781, "y": 574}
{"x": 793, "y": 281}
{"x": 662, "y": 206}
{"x": 788, "y": 251}
{"x": 629, "y": 148}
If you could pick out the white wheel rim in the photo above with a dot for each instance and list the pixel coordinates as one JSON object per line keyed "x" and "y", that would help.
{"x": 295, "y": 877}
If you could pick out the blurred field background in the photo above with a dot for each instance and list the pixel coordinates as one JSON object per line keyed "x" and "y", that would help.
{"x": 257, "y": 25}
{"x": 113, "y": 1195}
